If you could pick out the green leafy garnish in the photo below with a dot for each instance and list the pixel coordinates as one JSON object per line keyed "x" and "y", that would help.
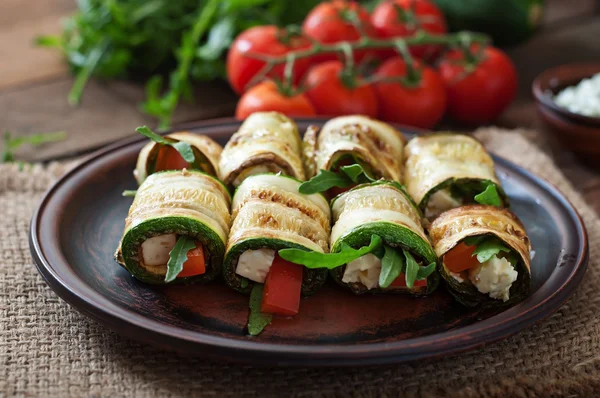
{"x": 424, "y": 272}
{"x": 412, "y": 269}
{"x": 244, "y": 283}
{"x": 489, "y": 196}
{"x": 184, "y": 148}
{"x": 11, "y": 144}
{"x": 345, "y": 177}
{"x": 487, "y": 247}
{"x": 312, "y": 259}
{"x": 257, "y": 320}
{"x": 393, "y": 264}
{"x": 177, "y": 256}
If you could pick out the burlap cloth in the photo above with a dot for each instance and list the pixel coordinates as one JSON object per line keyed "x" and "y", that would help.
{"x": 49, "y": 349}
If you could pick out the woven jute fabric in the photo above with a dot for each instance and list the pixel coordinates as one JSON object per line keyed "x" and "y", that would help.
{"x": 48, "y": 349}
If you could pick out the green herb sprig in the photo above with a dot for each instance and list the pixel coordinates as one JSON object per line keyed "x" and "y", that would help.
{"x": 345, "y": 177}
{"x": 11, "y": 144}
{"x": 177, "y": 256}
{"x": 184, "y": 148}
{"x": 257, "y": 320}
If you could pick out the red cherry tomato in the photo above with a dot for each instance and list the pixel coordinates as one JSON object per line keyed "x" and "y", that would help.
{"x": 196, "y": 262}
{"x": 422, "y": 105}
{"x": 169, "y": 159}
{"x": 281, "y": 295}
{"x": 478, "y": 91}
{"x": 460, "y": 258}
{"x": 401, "y": 18}
{"x": 262, "y": 40}
{"x": 330, "y": 96}
{"x": 330, "y": 22}
{"x": 265, "y": 97}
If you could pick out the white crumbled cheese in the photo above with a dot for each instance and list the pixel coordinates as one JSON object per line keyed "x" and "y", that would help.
{"x": 155, "y": 251}
{"x": 495, "y": 277}
{"x": 255, "y": 264}
{"x": 439, "y": 202}
{"x": 365, "y": 269}
{"x": 583, "y": 98}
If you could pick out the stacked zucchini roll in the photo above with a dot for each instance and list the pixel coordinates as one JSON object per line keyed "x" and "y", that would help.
{"x": 167, "y": 153}
{"x": 485, "y": 255}
{"x": 267, "y": 142}
{"x": 444, "y": 171}
{"x": 270, "y": 214}
{"x": 403, "y": 261}
{"x": 350, "y": 150}
{"x": 177, "y": 228}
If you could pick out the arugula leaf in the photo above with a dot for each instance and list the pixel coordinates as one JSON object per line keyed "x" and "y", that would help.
{"x": 219, "y": 38}
{"x": 489, "y": 196}
{"x": 184, "y": 148}
{"x": 323, "y": 181}
{"x": 177, "y": 256}
{"x": 412, "y": 269}
{"x": 424, "y": 272}
{"x": 257, "y": 320}
{"x": 312, "y": 260}
{"x": 244, "y": 283}
{"x": 488, "y": 248}
{"x": 326, "y": 179}
{"x": 393, "y": 264}
{"x": 129, "y": 193}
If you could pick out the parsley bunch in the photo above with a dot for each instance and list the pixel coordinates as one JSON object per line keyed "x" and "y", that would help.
{"x": 150, "y": 40}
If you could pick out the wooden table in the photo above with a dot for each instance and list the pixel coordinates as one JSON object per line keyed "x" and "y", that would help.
{"x": 34, "y": 84}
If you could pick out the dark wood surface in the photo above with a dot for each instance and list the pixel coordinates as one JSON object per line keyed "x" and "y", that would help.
{"x": 334, "y": 326}
{"x": 34, "y": 84}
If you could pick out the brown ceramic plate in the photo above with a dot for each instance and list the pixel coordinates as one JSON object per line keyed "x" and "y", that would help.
{"x": 77, "y": 227}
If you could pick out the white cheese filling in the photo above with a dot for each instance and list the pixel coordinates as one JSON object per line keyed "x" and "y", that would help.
{"x": 583, "y": 98}
{"x": 495, "y": 277}
{"x": 155, "y": 251}
{"x": 365, "y": 269}
{"x": 439, "y": 202}
{"x": 255, "y": 264}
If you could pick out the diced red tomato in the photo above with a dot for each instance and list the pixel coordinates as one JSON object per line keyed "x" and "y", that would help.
{"x": 400, "y": 281}
{"x": 169, "y": 159}
{"x": 460, "y": 258}
{"x": 195, "y": 264}
{"x": 281, "y": 295}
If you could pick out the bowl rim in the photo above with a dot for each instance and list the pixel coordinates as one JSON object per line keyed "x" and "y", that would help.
{"x": 575, "y": 72}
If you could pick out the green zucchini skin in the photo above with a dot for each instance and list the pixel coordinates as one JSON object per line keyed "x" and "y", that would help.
{"x": 135, "y": 236}
{"x": 312, "y": 279}
{"x": 395, "y": 236}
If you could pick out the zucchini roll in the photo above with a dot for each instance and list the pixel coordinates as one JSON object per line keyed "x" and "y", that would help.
{"x": 164, "y": 154}
{"x": 444, "y": 171}
{"x": 485, "y": 255}
{"x": 267, "y": 142}
{"x": 268, "y": 215}
{"x": 355, "y": 148}
{"x": 177, "y": 228}
{"x": 400, "y": 260}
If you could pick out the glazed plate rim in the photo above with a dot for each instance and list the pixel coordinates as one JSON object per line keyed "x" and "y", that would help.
{"x": 91, "y": 303}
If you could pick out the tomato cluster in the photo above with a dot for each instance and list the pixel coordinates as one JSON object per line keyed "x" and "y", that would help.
{"x": 473, "y": 85}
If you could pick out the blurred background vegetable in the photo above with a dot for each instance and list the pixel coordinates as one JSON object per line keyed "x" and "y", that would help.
{"x": 506, "y": 21}
{"x": 149, "y": 40}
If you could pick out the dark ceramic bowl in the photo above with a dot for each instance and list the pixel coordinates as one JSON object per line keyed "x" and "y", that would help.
{"x": 580, "y": 134}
